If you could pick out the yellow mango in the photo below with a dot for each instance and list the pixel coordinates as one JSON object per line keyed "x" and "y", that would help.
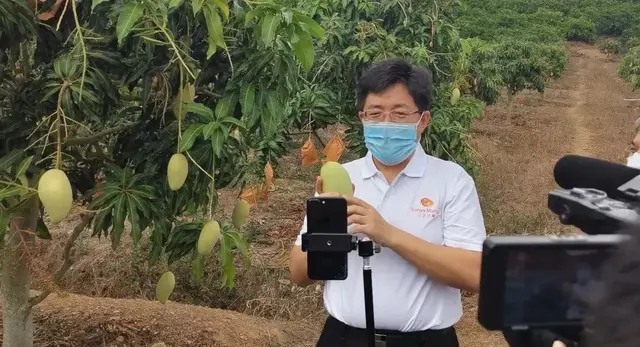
{"x": 455, "y": 96}
{"x": 209, "y": 236}
{"x": 54, "y": 191}
{"x": 165, "y": 286}
{"x": 177, "y": 171}
{"x": 240, "y": 214}
{"x": 335, "y": 179}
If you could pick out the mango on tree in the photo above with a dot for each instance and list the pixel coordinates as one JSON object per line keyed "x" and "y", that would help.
{"x": 455, "y": 96}
{"x": 209, "y": 236}
{"x": 240, "y": 213}
{"x": 165, "y": 286}
{"x": 335, "y": 179}
{"x": 177, "y": 171}
{"x": 54, "y": 191}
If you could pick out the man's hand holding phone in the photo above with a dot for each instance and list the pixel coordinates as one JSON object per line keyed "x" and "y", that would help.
{"x": 362, "y": 217}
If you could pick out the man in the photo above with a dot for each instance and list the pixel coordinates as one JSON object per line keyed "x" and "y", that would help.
{"x": 423, "y": 210}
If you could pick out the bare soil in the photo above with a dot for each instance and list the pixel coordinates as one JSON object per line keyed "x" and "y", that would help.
{"x": 516, "y": 145}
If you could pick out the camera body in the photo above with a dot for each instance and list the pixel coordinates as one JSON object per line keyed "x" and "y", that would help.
{"x": 546, "y": 283}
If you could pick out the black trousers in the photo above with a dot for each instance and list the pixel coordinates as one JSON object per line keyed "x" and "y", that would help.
{"x": 338, "y": 334}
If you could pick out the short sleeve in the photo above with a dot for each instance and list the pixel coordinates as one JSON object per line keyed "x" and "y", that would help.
{"x": 463, "y": 220}
{"x": 303, "y": 229}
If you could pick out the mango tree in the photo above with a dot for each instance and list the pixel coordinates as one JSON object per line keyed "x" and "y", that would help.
{"x": 169, "y": 101}
{"x": 629, "y": 68}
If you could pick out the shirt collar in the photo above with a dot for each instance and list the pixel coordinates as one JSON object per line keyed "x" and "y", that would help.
{"x": 415, "y": 168}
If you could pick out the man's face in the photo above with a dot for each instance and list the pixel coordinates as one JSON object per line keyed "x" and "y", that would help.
{"x": 395, "y": 105}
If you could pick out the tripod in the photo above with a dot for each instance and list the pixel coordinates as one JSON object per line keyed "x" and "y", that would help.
{"x": 345, "y": 243}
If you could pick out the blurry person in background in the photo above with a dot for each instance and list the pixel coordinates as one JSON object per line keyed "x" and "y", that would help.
{"x": 634, "y": 159}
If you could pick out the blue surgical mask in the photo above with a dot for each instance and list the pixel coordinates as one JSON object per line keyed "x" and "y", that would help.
{"x": 390, "y": 143}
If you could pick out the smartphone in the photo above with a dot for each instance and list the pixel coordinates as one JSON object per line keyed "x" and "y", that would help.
{"x": 327, "y": 215}
{"x": 541, "y": 282}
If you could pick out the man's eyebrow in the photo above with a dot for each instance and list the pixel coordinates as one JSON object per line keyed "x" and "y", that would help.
{"x": 394, "y": 106}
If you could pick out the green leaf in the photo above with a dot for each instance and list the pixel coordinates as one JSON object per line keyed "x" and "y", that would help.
{"x": 10, "y": 191}
{"x": 24, "y": 165}
{"x": 208, "y": 130}
{"x": 224, "y": 8}
{"x": 241, "y": 244}
{"x": 5, "y": 217}
{"x": 197, "y": 6}
{"x": 140, "y": 203}
{"x": 225, "y": 106}
{"x": 270, "y": 24}
{"x": 189, "y": 136}
{"x": 251, "y": 15}
{"x": 214, "y": 29}
{"x": 134, "y": 220}
{"x": 312, "y": 26}
{"x": 25, "y": 184}
{"x": 236, "y": 122}
{"x": 119, "y": 216}
{"x": 8, "y": 160}
{"x": 247, "y": 98}
{"x": 304, "y": 51}
{"x": 95, "y": 3}
{"x": 197, "y": 267}
{"x": 226, "y": 261}
{"x": 175, "y": 3}
{"x": 274, "y": 105}
{"x": 130, "y": 15}
{"x": 42, "y": 231}
{"x": 217, "y": 141}
{"x": 200, "y": 109}
{"x": 287, "y": 15}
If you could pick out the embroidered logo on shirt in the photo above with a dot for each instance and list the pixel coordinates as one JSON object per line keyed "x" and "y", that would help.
{"x": 426, "y": 202}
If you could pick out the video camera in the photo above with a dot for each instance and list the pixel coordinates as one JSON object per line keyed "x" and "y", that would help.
{"x": 545, "y": 283}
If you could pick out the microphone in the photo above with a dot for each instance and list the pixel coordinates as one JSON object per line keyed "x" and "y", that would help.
{"x": 618, "y": 181}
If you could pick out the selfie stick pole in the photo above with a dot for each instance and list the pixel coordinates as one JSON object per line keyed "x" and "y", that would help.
{"x": 345, "y": 243}
{"x": 366, "y": 250}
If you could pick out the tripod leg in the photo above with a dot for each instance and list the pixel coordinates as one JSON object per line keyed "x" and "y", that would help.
{"x": 368, "y": 303}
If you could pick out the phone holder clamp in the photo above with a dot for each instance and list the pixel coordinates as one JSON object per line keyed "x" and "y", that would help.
{"x": 345, "y": 243}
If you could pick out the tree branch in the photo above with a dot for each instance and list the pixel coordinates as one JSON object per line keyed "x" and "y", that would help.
{"x": 79, "y": 141}
{"x": 208, "y": 92}
{"x": 66, "y": 256}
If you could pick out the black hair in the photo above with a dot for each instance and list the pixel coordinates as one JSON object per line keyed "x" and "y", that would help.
{"x": 387, "y": 73}
{"x": 614, "y": 316}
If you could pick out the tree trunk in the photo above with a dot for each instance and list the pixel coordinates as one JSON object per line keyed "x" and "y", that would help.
{"x": 16, "y": 310}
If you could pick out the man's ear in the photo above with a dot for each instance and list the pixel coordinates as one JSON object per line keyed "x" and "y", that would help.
{"x": 424, "y": 121}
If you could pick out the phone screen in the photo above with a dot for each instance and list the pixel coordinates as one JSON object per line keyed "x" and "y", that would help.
{"x": 326, "y": 215}
{"x": 551, "y": 285}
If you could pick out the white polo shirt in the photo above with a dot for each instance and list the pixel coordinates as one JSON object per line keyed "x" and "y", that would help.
{"x": 433, "y": 199}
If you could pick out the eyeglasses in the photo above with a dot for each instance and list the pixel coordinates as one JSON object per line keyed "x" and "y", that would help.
{"x": 394, "y": 116}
